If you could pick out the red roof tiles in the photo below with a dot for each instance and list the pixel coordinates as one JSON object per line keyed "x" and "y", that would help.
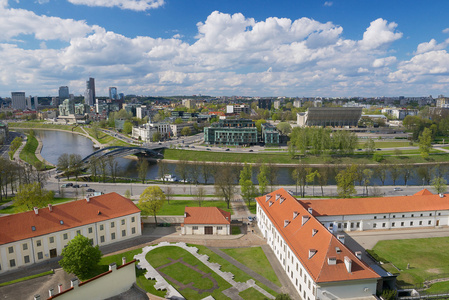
{"x": 206, "y": 215}
{"x": 421, "y": 201}
{"x": 72, "y": 214}
{"x": 305, "y": 232}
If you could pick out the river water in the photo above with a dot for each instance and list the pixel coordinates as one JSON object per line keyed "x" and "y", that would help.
{"x": 56, "y": 143}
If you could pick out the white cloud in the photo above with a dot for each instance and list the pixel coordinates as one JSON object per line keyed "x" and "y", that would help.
{"x": 380, "y": 33}
{"x": 446, "y": 30}
{"x": 431, "y": 46}
{"x": 328, "y": 3}
{"x": 137, "y": 5}
{"x": 384, "y": 61}
{"x": 42, "y": 1}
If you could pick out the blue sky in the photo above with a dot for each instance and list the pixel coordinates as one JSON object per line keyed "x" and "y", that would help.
{"x": 252, "y": 48}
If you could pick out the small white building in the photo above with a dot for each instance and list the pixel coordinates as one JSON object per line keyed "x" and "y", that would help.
{"x": 317, "y": 263}
{"x": 422, "y": 209}
{"x": 206, "y": 221}
{"x": 145, "y": 132}
{"x": 35, "y": 236}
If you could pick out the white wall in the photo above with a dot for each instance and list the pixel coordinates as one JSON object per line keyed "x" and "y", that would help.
{"x": 355, "y": 288}
{"x": 189, "y": 229}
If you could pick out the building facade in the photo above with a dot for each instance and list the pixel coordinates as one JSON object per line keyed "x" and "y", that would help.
{"x": 330, "y": 116}
{"x": 63, "y": 94}
{"x": 231, "y": 132}
{"x": 18, "y": 100}
{"x": 35, "y": 236}
{"x": 270, "y": 134}
{"x": 113, "y": 93}
{"x": 206, "y": 221}
{"x": 442, "y": 102}
{"x": 317, "y": 263}
{"x": 89, "y": 96}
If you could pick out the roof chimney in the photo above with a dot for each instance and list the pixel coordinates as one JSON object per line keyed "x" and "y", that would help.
{"x": 305, "y": 219}
{"x": 60, "y": 288}
{"x": 358, "y": 254}
{"x": 310, "y": 210}
{"x": 312, "y": 252}
{"x": 441, "y": 195}
{"x": 50, "y": 293}
{"x": 185, "y": 214}
{"x": 87, "y": 199}
{"x": 112, "y": 267}
{"x": 341, "y": 238}
{"x": 37, "y": 297}
{"x": 50, "y": 207}
{"x": 74, "y": 283}
{"x": 36, "y": 210}
{"x": 348, "y": 264}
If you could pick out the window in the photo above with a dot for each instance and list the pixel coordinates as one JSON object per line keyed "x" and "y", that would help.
{"x": 219, "y": 227}
{"x": 430, "y": 214}
{"x": 38, "y": 243}
{"x": 133, "y": 219}
{"x": 91, "y": 241}
{"x": 89, "y": 230}
{"x": 375, "y": 217}
{"x": 430, "y": 222}
{"x": 25, "y": 246}
{"x": 133, "y": 230}
{"x": 33, "y": 228}
{"x": 402, "y": 223}
{"x": 420, "y": 222}
{"x": 296, "y": 266}
{"x": 421, "y": 215}
{"x": 123, "y": 232}
{"x": 102, "y": 239}
{"x": 101, "y": 227}
{"x": 403, "y": 216}
{"x": 439, "y": 214}
{"x": 112, "y": 224}
{"x": 12, "y": 263}
{"x": 65, "y": 236}
{"x": 374, "y": 225}
{"x": 358, "y": 224}
{"x": 11, "y": 249}
{"x": 26, "y": 259}
{"x": 384, "y": 224}
{"x": 78, "y": 232}
{"x": 40, "y": 255}
{"x": 113, "y": 236}
{"x": 195, "y": 228}
{"x": 123, "y": 221}
{"x": 385, "y": 217}
{"x": 392, "y": 224}
{"x": 413, "y": 215}
{"x": 345, "y": 225}
{"x": 394, "y": 216}
{"x": 51, "y": 239}
{"x": 352, "y": 225}
{"x": 339, "y": 225}
{"x": 411, "y": 223}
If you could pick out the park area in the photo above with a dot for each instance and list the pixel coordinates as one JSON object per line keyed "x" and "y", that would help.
{"x": 420, "y": 263}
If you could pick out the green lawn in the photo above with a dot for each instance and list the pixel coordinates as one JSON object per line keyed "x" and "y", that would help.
{"x": 28, "y": 153}
{"x": 255, "y": 259}
{"x": 185, "y": 275}
{"x": 387, "y": 144}
{"x": 38, "y": 125}
{"x": 177, "y": 207}
{"x": 12, "y": 209}
{"x": 235, "y": 230}
{"x": 252, "y": 294}
{"x": 425, "y": 256}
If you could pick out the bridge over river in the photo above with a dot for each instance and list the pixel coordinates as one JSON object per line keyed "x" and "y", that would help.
{"x": 123, "y": 151}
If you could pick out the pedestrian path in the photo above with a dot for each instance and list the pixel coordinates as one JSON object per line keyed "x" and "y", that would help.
{"x": 162, "y": 284}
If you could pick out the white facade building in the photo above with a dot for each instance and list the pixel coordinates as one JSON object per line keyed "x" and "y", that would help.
{"x": 206, "y": 221}
{"x": 145, "y": 132}
{"x": 35, "y": 236}
{"x": 317, "y": 263}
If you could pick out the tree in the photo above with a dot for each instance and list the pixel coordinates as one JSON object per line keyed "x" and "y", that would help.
{"x": 425, "y": 142}
{"x": 113, "y": 167}
{"x": 262, "y": 179}
{"x": 367, "y": 174}
{"x": 94, "y": 168}
{"x": 395, "y": 171}
{"x": 370, "y": 146}
{"x": 284, "y": 128}
{"x": 32, "y": 195}
{"x": 95, "y": 130}
{"x": 200, "y": 194}
{"x": 299, "y": 175}
{"x": 345, "y": 181}
{"x": 186, "y": 131}
{"x": 207, "y": 171}
{"x": 291, "y": 149}
{"x": 63, "y": 164}
{"x": 224, "y": 183}
{"x": 80, "y": 257}
{"x": 382, "y": 172}
{"x": 440, "y": 185}
{"x": 310, "y": 178}
{"x": 162, "y": 169}
{"x": 15, "y": 144}
{"x": 182, "y": 168}
{"x": 127, "y": 127}
{"x": 151, "y": 201}
{"x": 157, "y": 136}
{"x": 142, "y": 168}
{"x": 248, "y": 190}
{"x": 168, "y": 193}
{"x": 75, "y": 164}
{"x": 406, "y": 172}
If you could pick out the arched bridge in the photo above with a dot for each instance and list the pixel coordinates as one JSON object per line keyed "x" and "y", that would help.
{"x": 121, "y": 151}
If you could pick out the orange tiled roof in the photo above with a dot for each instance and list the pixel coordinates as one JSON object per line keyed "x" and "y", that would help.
{"x": 206, "y": 215}
{"x": 421, "y": 201}
{"x": 301, "y": 240}
{"x": 72, "y": 214}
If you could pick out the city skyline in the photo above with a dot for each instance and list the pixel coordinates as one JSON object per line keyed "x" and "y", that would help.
{"x": 158, "y": 48}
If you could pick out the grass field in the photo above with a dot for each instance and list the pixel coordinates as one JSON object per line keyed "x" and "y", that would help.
{"x": 387, "y": 144}
{"x": 177, "y": 207}
{"x": 426, "y": 257}
{"x": 12, "y": 210}
{"x": 252, "y": 294}
{"x": 28, "y": 152}
{"x": 38, "y": 125}
{"x": 255, "y": 259}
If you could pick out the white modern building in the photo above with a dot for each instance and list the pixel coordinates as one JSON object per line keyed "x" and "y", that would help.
{"x": 145, "y": 132}
{"x": 177, "y": 128}
{"x": 399, "y": 113}
{"x": 422, "y": 209}
{"x": 35, "y": 236}
{"x": 317, "y": 263}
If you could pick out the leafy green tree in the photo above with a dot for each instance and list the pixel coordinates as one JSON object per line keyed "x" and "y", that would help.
{"x": 32, "y": 195}
{"x": 259, "y": 125}
{"x": 15, "y": 144}
{"x": 186, "y": 131}
{"x": 440, "y": 185}
{"x": 182, "y": 168}
{"x": 247, "y": 187}
{"x": 96, "y": 130}
{"x": 262, "y": 179}
{"x": 291, "y": 149}
{"x": 163, "y": 169}
{"x": 224, "y": 183}
{"x": 200, "y": 194}
{"x": 389, "y": 294}
{"x": 345, "y": 181}
{"x": 80, "y": 257}
{"x": 127, "y": 127}
{"x": 151, "y": 201}
{"x": 284, "y": 128}
{"x": 75, "y": 164}
{"x": 157, "y": 136}
{"x": 425, "y": 142}
{"x": 178, "y": 121}
{"x": 64, "y": 164}
{"x": 367, "y": 175}
{"x": 310, "y": 178}
{"x": 299, "y": 175}
{"x": 283, "y": 297}
{"x": 369, "y": 146}
{"x": 142, "y": 168}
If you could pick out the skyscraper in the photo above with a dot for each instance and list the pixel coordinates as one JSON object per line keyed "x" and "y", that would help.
{"x": 89, "y": 96}
{"x": 113, "y": 93}
{"x": 63, "y": 94}
{"x": 18, "y": 100}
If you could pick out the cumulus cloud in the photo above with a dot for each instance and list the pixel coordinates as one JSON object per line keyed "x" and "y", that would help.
{"x": 380, "y": 33}
{"x": 432, "y": 45}
{"x": 137, "y": 5}
{"x": 446, "y": 30}
{"x": 384, "y": 61}
{"x": 328, "y": 3}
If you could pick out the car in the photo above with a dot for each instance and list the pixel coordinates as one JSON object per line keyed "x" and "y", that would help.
{"x": 208, "y": 149}
{"x": 160, "y": 143}
{"x": 227, "y": 149}
{"x": 90, "y": 190}
{"x": 76, "y": 186}
{"x": 187, "y": 146}
{"x": 63, "y": 185}
{"x": 397, "y": 189}
{"x": 251, "y": 218}
{"x": 251, "y": 150}
{"x": 359, "y": 149}
{"x": 378, "y": 149}
{"x": 192, "y": 146}
{"x": 84, "y": 185}
{"x": 69, "y": 184}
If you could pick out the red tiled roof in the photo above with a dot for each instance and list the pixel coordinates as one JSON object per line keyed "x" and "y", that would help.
{"x": 421, "y": 201}
{"x": 206, "y": 215}
{"x": 300, "y": 239}
{"x": 73, "y": 214}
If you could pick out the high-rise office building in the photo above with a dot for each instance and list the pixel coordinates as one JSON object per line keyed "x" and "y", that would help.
{"x": 113, "y": 93}
{"x": 63, "y": 93}
{"x": 89, "y": 96}
{"x": 18, "y": 100}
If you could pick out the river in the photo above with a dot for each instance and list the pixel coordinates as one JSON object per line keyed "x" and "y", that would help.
{"x": 56, "y": 143}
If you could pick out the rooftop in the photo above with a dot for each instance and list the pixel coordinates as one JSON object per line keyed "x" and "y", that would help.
{"x": 206, "y": 215}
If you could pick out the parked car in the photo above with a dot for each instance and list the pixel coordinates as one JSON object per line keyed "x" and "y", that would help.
{"x": 63, "y": 185}
{"x": 69, "y": 184}
{"x": 76, "y": 186}
{"x": 227, "y": 149}
{"x": 251, "y": 218}
{"x": 251, "y": 150}
{"x": 208, "y": 149}
{"x": 84, "y": 185}
{"x": 397, "y": 189}
{"x": 90, "y": 190}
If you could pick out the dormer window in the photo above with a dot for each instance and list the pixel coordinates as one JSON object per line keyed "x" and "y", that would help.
{"x": 271, "y": 203}
{"x": 33, "y": 228}
{"x": 286, "y": 222}
{"x": 304, "y": 219}
{"x": 267, "y": 197}
{"x": 278, "y": 196}
{"x": 314, "y": 231}
{"x": 282, "y": 200}
{"x": 295, "y": 214}
{"x": 332, "y": 260}
{"x": 338, "y": 250}
{"x": 61, "y": 222}
{"x": 312, "y": 252}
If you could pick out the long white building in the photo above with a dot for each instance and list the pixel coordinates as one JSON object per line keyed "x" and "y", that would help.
{"x": 317, "y": 263}
{"x": 35, "y": 236}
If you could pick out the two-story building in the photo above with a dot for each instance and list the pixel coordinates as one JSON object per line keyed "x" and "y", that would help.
{"x": 35, "y": 236}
